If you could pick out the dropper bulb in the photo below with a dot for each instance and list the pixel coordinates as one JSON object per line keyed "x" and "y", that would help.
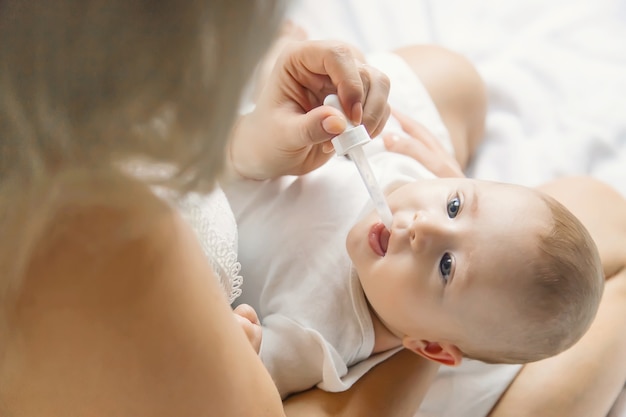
{"x": 332, "y": 100}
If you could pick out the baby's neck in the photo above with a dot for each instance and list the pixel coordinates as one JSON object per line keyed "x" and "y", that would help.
{"x": 384, "y": 339}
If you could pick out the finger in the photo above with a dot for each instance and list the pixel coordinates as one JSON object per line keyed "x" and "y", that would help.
{"x": 246, "y": 312}
{"x": 319, "y": 125}
{"x": 365, "y": 72}
{"x": 328, "y": 147}
{"x": 244, "y": 323}
{"x": 440, "y": 164}
{"x": 376, "y": 106}
{"x": 405, "y": 146}
{"x": 408, "y": 124}
{"x": 382, "y": 122}
{"x": 419, "y": 132}
{"x": 250, "y": 330}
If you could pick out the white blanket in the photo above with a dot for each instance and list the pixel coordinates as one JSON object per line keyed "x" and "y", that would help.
{"x": 555, "y": 71}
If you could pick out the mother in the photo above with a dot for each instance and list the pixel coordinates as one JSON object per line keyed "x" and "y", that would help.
{"x": 108, "y": 305}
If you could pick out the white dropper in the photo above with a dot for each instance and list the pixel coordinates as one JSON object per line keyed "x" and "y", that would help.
{"x": 351, "y": 142}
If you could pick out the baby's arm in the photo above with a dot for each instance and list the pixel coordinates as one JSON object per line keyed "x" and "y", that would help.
{"x": 293, "y": 354}
{"x": 422, "y": 146}
{"x": 288, "y": 346}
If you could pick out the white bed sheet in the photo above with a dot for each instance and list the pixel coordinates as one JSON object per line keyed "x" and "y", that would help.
{"x": 555, "y": 72}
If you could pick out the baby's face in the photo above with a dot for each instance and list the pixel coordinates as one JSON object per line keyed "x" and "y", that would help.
{"x": 453, "y": 259}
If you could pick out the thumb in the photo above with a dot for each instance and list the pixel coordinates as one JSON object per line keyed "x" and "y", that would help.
{"x": 320, "y": 125}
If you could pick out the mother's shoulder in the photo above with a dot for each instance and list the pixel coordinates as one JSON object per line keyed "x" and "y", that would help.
{"x": 103, "y": 231}
{"x": 118, "y": 298}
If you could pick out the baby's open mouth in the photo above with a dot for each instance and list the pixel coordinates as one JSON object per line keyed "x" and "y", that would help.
{"x": 379, "y": 239}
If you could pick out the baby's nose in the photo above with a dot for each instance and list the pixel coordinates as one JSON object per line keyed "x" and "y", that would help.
{"x": 426, "y": 230}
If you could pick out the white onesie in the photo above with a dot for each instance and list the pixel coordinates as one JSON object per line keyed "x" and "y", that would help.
{"x": 316, "y": 322}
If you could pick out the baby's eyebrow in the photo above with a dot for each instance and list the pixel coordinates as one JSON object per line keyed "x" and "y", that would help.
{"x": 466, "y": 274}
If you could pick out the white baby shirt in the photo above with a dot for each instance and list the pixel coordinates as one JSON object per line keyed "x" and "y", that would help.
{"x": 292, "y": 251}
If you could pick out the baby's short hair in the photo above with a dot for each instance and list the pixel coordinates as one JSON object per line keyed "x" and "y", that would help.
{"x": 559, "y": 301}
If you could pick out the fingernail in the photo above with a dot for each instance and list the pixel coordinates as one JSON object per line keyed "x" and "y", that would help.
{"x": 327, "y": 147}
{"x": 357, "y": 113}
{"x": 334, "y": 125}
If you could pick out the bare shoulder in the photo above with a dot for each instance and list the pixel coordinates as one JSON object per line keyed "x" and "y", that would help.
{"x": 119, "y": 314}
{"x": 602, "y": 210}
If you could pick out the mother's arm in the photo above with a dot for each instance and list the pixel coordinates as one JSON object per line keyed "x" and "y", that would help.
{"x": 395, "y": 387}
{"x": 119, "y": 314}
{"x": 586, "y": 379}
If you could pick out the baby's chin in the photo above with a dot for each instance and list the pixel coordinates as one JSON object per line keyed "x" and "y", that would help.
{"x": 352, "y": 239}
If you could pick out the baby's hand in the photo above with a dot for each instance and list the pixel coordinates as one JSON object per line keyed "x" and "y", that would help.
{"x": 249, "y": 321}
{"x": 422, "y": 146}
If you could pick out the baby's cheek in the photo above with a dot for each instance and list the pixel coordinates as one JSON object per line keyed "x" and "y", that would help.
{"x": 351, "y": 240}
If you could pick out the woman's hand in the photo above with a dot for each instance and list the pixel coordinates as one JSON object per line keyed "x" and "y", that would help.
{"x": 290, "y": 129}
{"x": 422, "y": 146}
{"x": 249, "y": 321}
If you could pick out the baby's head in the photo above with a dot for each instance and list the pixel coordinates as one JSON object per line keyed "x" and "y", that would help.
{"x": 490, "y": 271}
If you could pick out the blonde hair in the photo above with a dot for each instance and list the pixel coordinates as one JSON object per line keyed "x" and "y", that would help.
{"x": 87, "y": 86}
{"x": 559, "y": 301}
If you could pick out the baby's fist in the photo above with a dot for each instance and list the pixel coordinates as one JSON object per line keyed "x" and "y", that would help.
{"x": 249, "y": 322}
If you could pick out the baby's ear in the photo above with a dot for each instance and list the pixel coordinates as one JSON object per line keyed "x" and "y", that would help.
{"x": 443, "y": 353}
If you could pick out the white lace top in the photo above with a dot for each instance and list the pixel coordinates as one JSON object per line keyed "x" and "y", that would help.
{"x": 213, "y": 221}
{"x": 212, "y": 218}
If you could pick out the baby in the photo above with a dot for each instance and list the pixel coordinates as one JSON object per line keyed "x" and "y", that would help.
{"x": 469, "y": 268}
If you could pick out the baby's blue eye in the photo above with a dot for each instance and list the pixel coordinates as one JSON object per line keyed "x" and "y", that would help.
{"x": 445, "y": 267}
{"x": 454, "y": 205}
